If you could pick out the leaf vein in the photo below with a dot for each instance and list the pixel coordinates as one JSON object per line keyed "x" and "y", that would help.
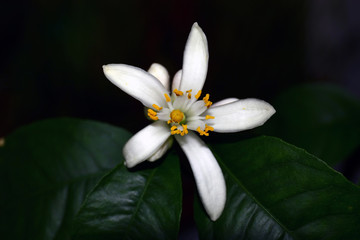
{"x": 252, "y": 196}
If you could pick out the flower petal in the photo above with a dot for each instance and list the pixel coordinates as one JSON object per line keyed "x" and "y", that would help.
{"x": 240, "y": 115}
{"x": 137, "y": 83}
{"x": 176, "y": 80}
{"x": 162, "y": 150}
{"x": 194, "y": 124}
{"x": 197, "y": 108}
{"x": 208, "y": 175}
{"x": 145, "y": 143}
{"x": 224, "y": 101}
{"x": 160, "y": 72}
{"x": 195, "y": 63}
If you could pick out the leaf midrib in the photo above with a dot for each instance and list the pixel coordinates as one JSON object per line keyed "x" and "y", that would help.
{"x": 141, "y": 197}
{"x": 252, "y": 196}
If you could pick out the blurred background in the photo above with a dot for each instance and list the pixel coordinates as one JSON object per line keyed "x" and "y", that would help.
{"x": 52, "y": 54}
{"x": 52, "y": 51}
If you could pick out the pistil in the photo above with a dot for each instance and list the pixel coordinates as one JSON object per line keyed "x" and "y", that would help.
{"x": 177, "y": 116}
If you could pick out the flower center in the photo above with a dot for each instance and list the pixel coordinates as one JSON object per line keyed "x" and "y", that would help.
{"x": 177, "y": 116}
{"x": 192, "y": 115}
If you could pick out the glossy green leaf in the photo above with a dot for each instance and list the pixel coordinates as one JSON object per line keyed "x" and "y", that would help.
{"x": 278, "y": 191}
{"x": 46, "y": 170}
{"x": 322, "y": 119}
{"x": 141, "y": 204}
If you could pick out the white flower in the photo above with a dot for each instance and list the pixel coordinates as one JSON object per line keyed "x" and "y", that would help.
{"x": 182, "y": 110}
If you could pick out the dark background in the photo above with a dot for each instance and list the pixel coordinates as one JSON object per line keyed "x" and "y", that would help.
{"x": 52, "y": 51}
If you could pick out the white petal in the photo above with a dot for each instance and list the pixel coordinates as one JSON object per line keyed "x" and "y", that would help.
{"x": 162, "y": 150}
{"x": 176, "y": 80}
{"x": 194, "y": 124}
{"x": 164, "y": 114}
{"x": 145, "y": 143}
{"x": 160, "y": 72}
{"x": 240, "y": 115}
{"x": 137, "y": 83}
{"x": 208, "y": 175}
{"x": 195, "y": 63}
{"x": 197, "y": 108}
{"x": 224, "y": 101}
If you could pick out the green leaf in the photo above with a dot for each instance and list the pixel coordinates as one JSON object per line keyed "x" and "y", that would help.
{"x": 46, "y": 170}
{"x": 278, "y": 191}
{"x": 134, "y": 205}
{"x": 323, "y": 119}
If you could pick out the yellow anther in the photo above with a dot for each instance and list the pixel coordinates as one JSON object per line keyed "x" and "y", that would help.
{"x": 177, "y": 115}
{"x": 189, "y": 93}
{"x": 208, "y": 128}
{"x": 209, "y": 117}
{"x": 184, "y": 131}
{"x": 199, "y": 130}
{"x": 205, "y": 131}
{"x": 153, "y": 117}
{"x": 152, "y": 114}
{"x": 202, "y": 132}
{"x": 178, "y": 93}
{"x": 157, "y": 107}
{"x": 206, "y": 100}
{"x": 168, "y": 99}
{"x": 198, "y": 94}
{"x": 174, "y": 130}
{"x": 170, "y": 121}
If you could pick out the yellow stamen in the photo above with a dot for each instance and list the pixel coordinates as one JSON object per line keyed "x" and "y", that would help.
{"x": 206, "y": 100}
{"x": 198, "y": 94}
{"x": 157, "y": 107}
{"x": 153, "y": 117}
{"x": 202, "y": 132}
{"x": 168, "y": 99}
{"x": 189, "y": 93}
{"x": 178, "y": 93}
{"x": 209, "y": 117}
{"x": 208, "y": 128}
{"x": 174, "y": 130}
{"x": 205, "y": 131}
{"x": 177, "y": 116}
{"x": 170, "y": 121}
{"x": 152, "y": 114}
{"x": 184, "y": 131}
